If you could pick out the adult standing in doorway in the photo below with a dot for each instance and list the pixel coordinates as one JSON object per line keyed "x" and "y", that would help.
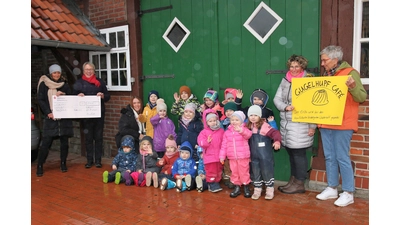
{"x": 49, "y": 85}
{"x": 296, "y": 137}
{"x": 89, "y": 84}
{"x": 336, "y": 138}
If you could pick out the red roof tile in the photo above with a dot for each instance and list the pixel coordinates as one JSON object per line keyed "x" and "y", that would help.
{"x": 52, "y": 21}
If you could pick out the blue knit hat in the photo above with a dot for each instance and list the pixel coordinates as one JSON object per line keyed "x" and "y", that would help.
{"x": 152, "y": 92}
{"x": 211, "y": 94}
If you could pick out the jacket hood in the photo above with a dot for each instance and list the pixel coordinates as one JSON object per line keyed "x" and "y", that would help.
{"x": 258, "y": 92}
{"x": 204, "y": 115}
{"x": 188, "y": 145}
{"x": 127, "y": 140}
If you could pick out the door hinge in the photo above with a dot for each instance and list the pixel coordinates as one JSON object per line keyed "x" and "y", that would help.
{"x": 142, "y": 78}
{"x": 141, "y": 12}
{"x": 314, "y": 70}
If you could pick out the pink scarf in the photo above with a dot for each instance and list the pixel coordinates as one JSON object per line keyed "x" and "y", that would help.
{"x": 289, "y": 76}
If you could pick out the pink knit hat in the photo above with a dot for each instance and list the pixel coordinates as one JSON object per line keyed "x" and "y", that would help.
{"x": 170, "y": 141}
{"x": 240, "y": 115}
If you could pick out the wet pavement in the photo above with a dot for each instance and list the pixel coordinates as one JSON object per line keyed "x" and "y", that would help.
{"x": 80, "y": 197}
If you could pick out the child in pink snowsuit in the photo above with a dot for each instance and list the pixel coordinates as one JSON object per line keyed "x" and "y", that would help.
{"x": 235, "y": 147}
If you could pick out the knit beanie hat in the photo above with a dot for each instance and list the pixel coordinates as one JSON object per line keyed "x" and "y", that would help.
{"x": 211, "y": 94}
{"x": 185, "y": 89}
{"x": 191, "y": 107}
{"x": 152, "y": 92}
{"x": 147, "y": 138}
{"x": 161, "y": 105}
{"x": 170, "y": 141}
{"x": 240, "y": 115}
{"x": 254, "y": 110}
{"x": 231, "y": 106}
{"x": 185, "y": 148}
{"x": 259, "y": 93}
{"x": 210, "y": 115}
{"x": 53, "y": 68}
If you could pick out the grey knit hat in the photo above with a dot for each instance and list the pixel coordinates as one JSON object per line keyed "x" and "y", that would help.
{"x": 53, "y": 68}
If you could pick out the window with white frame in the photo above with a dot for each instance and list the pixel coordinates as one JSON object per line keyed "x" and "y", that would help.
{"x": 361, "y": 39}
{"x": 114, "y": 67}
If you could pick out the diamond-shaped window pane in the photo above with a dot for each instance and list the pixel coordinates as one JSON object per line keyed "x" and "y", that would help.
{"x": 176, "y": 34}
{"x": 262, "y": 22}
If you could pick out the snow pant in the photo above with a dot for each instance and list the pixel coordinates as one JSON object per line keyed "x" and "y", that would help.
{"x": 262, "y": 160}
{"x": 213, "y": 172}
{"x": 240, "y": 171}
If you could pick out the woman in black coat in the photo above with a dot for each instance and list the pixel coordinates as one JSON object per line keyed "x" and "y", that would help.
{"x": 129, "y": 123}
{"x": 49, "y": 85}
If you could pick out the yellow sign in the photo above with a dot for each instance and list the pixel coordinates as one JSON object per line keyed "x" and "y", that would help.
{"x": 319, "y": 100}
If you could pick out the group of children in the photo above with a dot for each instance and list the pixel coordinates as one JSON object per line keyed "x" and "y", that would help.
{"x": 214, "y": 141}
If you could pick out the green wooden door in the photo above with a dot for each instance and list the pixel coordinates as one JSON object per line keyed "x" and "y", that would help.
{"x": 220, "y": 52}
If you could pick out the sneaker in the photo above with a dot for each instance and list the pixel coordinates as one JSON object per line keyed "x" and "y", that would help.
{"x": 155, "y": 180}
{"x": 128, "y": 179}
{"x": 269, "y": 193}
{"x": 345, "y": 199}
{"x": 257, "y": 193}
{"x": 327, "y": 193}
{"x": 117, "y": 178}
{"x": 148, "y": 179}
{"x": 199, "y": 184}
{"x": 188, "y": 181}
{"x": 164, "y": 183}
{"x": 105, "y": 177}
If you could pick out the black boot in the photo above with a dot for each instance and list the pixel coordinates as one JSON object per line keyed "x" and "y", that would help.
{"x": 247, "y": 193}
{"x": 235, "y": 192}
{"x": 63, "y": 167}
{"x": 39, "y": 171}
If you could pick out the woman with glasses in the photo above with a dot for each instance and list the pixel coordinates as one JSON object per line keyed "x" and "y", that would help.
{"x": 89, "y": 84}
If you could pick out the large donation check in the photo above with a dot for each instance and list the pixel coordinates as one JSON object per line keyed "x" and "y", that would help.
{"x": 68, "y": 106}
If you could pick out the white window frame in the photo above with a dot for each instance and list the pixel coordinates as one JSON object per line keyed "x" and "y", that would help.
{"x": 183, "y": 27}
{"x": 358, "y": 13}
{"x": 106, "y": 32}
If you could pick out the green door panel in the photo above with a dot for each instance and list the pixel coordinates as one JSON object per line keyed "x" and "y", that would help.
{"x": 221, "y": 53}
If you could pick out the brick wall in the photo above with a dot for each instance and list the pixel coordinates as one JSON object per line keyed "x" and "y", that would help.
{"x": 105, "y": 12}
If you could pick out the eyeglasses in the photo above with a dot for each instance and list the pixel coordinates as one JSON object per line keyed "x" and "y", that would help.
{"x": 325, "y": 60}
{"x": 89, "y": 69}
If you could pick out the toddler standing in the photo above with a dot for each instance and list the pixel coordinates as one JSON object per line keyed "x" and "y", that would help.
{"x": 236, "y": 148}
{"x": 190, "y": 125}
{"x": 210, "y": 139}
{"x": 185, "y": 96}
{"x": 163, "y": 126}
{"x": 149, "y": 111}
{"x": 262, "y": 158}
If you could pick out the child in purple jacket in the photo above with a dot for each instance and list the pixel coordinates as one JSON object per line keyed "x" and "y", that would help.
{"x": 210, "y": 139}
{"x": 163, "y": 126}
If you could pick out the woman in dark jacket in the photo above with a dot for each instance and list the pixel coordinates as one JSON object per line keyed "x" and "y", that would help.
{"x": 129, "y": 123}
{"x": 49, "y": 85}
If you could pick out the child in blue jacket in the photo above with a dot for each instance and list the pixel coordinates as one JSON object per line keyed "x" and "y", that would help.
{"x": 184, "y": 169}
{"x": 124, "y": 161}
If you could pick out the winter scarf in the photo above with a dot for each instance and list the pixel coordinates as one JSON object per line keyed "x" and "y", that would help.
{"x": 52, "y": 88}
{"x": 289, "y": 76}
{"x": 92, "y": 79}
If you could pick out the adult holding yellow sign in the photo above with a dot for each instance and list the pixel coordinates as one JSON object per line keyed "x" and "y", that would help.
{"x": 336, "y": 138}
{"x": 297, "y": 137}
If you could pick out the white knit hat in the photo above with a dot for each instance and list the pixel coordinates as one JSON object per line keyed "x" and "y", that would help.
{"x": 254, "y": 110}
{"x": 161, "y": 105}
{"x": 240, "y": 115}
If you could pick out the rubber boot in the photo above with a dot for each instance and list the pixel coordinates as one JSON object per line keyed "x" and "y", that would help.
{"x": 247, "y": 193}
{"x": 171, "y": 184}
{"x": 235, "y": 192}
{"x": 39, "y": 171}
{"x": 296, "y": 187}
{"x": 63, "y": 167}
{"x": 287, "y": 184}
